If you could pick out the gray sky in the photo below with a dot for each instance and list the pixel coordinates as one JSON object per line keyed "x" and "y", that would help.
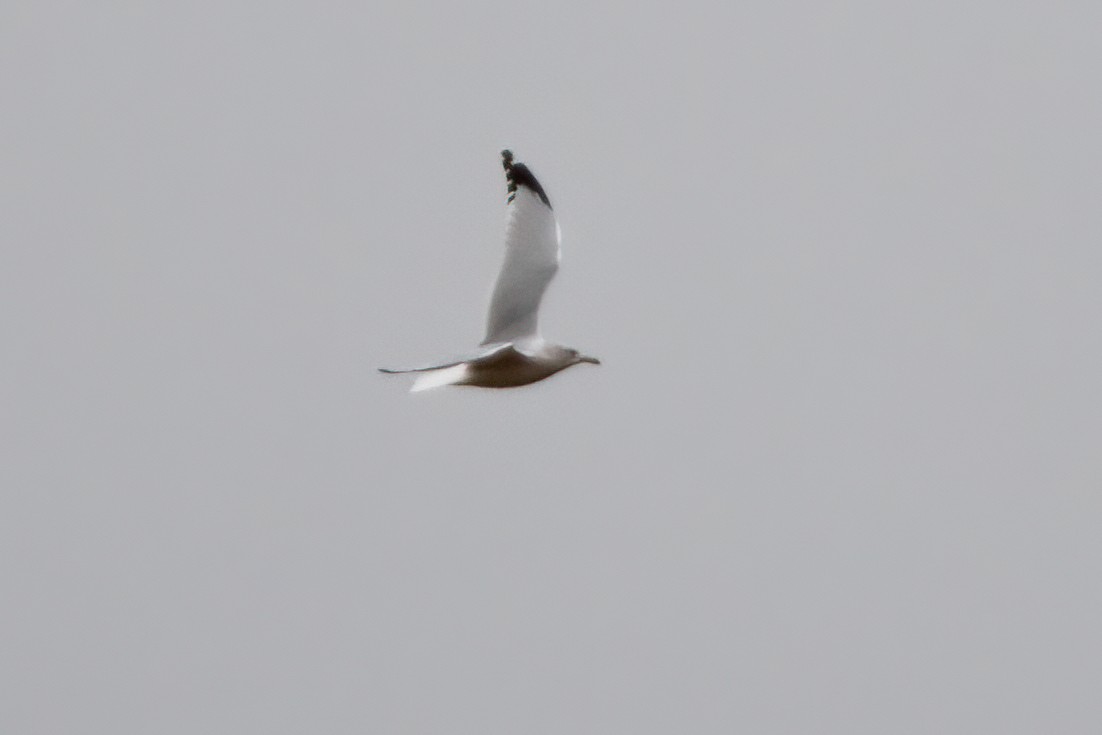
{"x": 839, "y": 471}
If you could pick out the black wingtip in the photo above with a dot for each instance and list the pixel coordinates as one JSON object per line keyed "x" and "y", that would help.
{"x": 517, "y": 174}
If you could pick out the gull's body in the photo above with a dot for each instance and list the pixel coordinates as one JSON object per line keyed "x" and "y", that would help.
{"x": 515, "y": 354}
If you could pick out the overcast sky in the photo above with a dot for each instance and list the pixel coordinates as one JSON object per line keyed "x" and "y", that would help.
{"x": 839, "y": 472}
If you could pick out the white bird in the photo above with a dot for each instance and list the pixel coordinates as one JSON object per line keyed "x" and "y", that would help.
{"x": 515, "y": 354}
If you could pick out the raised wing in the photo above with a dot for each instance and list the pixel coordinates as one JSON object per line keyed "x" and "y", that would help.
{"x": 531, "y": 257}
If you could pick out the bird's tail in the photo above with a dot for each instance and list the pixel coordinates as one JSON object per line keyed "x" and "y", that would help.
{"x": 436, "y": 378}
{"x": 433, "y": 377}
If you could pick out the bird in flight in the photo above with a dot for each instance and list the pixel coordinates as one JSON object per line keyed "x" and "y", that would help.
{"x": 514, "y": 353}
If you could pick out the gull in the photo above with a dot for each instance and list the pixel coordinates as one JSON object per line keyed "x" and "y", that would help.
{"x": 514, "y": 353}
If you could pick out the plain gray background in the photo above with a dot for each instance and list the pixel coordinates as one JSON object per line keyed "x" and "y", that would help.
{"x": 839, "y": 472}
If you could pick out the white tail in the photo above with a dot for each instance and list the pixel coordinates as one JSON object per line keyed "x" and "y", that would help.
{"x": 436, "y": 378}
